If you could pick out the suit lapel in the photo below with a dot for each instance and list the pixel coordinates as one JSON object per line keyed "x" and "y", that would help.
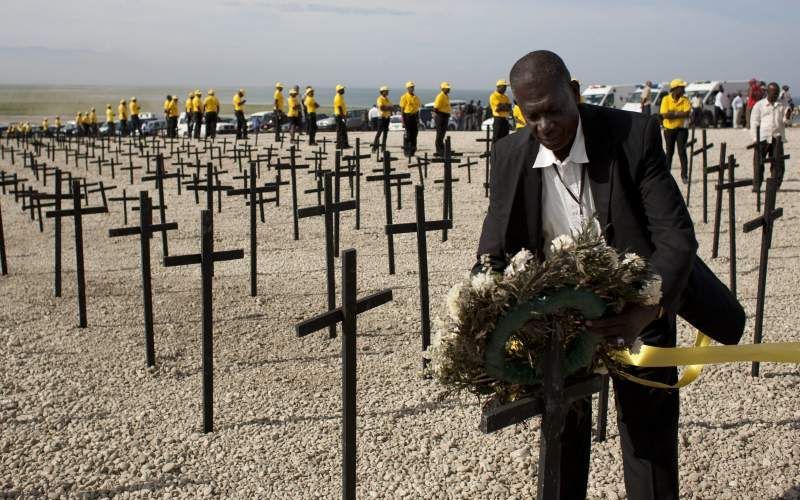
{"x": 601, "y": 164}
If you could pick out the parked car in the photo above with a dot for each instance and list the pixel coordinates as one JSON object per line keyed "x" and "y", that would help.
{"x": 658, "y": 93}
{"x": 426, "y": 114}
{"x": 487, "y": 124}
{"x": 154, "y": 126}
{"x": 609, "y": 96}
{"x": 225, "y": 125}
{"x": 261, "y": 120}
{"x": 707, "y": 91}
{"x": 396, "y": 123}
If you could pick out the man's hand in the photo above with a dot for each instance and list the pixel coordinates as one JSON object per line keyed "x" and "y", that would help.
{"x": 621, "y": 330}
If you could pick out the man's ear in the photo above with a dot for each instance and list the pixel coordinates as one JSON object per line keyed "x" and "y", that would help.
{"x": 576, "y": 90}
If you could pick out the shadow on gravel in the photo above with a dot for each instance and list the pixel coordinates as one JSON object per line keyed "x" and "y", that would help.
{"x": 792, "y": 423}
{"x": 792, "y": 493}
{"x": 418, "y": 409}
{"x": 130, "y": 488}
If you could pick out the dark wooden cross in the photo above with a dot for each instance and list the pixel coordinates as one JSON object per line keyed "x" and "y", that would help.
{"x": 730, "y": 187}
{"x": 777, "y": 160}
{"x": 758, "y": 167}
{"x": 250, "y": 190}
{"x": 703, "y": 151}
{"x": 767, "y": 223}
{"x": 124, "y": 199}
{"x": 159, "y": 177}
{"x": 447, "y": 180}
{"x": 145, "y": 231}
{"x": 347, "y": 315}
{"x": 468, "y": 165}
{"x": 292, "y": 166}
{"x": 487, "y": 156}
{"x": 328, "y": 210}
{"x": 718, "y": 169}
{"x": 422, "y": 167}
{"x": 421, "y": 227}
{"x": 3, "y": 261}
{"x": 77, "y": 212}
{"x": 386, "y": 177}
{"x": 350, "y": 172}
{"x": 206, "y": 258}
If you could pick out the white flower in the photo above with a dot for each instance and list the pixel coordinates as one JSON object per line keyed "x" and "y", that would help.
{"x": 636, "y": 348}
{"x": 454, "y": 302}
{"x": 634, "y": 261}
{"x": 651, "y": 293}
{"x": 483, "y": 282}
{"x": 563, "y": 243}
{"x": 518, "y": 263}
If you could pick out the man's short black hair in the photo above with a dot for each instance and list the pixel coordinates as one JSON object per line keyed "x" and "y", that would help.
{"x": 539, "y": 66}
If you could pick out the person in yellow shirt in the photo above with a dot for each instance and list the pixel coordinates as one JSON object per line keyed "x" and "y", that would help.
{"x": 277, "y": 110}
{"x": 441, "y": 116}
{"x": 238, "y": 109}
{"x": 136, "y": 124}
{"x": 311, "y": 116}
{"x": 79, "y": 127}
{"x": 92, "y": 119}
{"x": 172, "y": 117}
{"x": 385, "y": 108}
{"x": 166, "y": 105}
{"x": 197, "y": 112}
{"x": 110, "y": 121}
{"x": 211, "y": 110}
{"x": 293, "y": 112}
{"x": 519, "y": 119}
{"x": 409, "y": 109}
{"x": 501, "y": 110}
{"x": 675, "y": 111}
{"x": 187, "y": 109}
{"x": 45, "y": 127}
{"x": 58, "y": 126}
{"x": 122, "y": 115}
{"x": 340, "y": 114}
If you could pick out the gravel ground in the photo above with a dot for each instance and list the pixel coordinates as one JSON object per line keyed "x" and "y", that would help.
{"x": 81, "y": 416}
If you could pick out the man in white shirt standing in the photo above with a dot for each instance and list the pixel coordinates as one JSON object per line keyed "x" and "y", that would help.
{"x": 374, "y": 116}
{"x": 738, "y": 107}
{"x": 720, "y": 104}
{"x": 697, "y": 109}
{"x": 647, "y": 97}
{"x": 767, "y": 118}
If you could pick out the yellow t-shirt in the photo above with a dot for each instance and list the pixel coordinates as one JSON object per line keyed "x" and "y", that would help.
{"x": 497, "y": 99}
{"x": 668, "y": 105}
{"x": 293, "y": 107}
{"x": 166, "y": 105}
{"x": 122, "y": 112}
{"x": 518, "y": 118}
{"x": 278, "y": 97}
{"x": 442, "y": 103}
{"x": 186, "y": 107}
{"x": 45, "y": 125}
{"x": 197, "y": 104}
{"x": 93, "y": 118}
{"x": 110, "y": 115}
{"x": 409, "y": 104}
{"x": 237, "y": 102}
{"x": 211, "y": 103}
{"x": 339, "y": 106}
{"x": 311, "y": 104}
{"x": 134, "y": 108}
{"x": 173, "y": 109}
{"x": 384, "y": 101}
{"x": 58, "y": 122}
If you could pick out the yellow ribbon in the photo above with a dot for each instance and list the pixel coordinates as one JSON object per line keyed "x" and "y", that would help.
{"x": 703, "y": 353}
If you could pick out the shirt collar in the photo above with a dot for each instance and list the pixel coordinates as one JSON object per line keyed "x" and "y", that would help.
{"x": 577, "y": 153}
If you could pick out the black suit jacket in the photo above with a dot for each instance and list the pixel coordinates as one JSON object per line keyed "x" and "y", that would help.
{"x": 637, "y": 202}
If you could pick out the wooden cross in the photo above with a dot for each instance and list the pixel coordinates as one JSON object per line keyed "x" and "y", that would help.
{"x": 421, "y": 227}
{"x": 347, "y": 315}
{"x": 422, "y": 167}
{"x": 3, "y": 261}
{"x": 718, "y": 169}
{"x": 730, "y": 187}
{"x": 704, "y": 152}
{"x": 468, "y": 165}
{"x": 447, "y": 180}
{"x": 159, "y": 177}
{"x": 250, "y": 190}
{"x": 145, "y": 231}
{"x": 124, "y": 199}
{"x": 487, "y": 156}
{"x": 758, "y": 167}
{"x": 350, "y": 172}
{"x": 777, "y": 160}
{"x": 206, "y": 258}
{"x": 767, "y": 223}
{"x": 328, "y": 209}
{"x": 77, "y": 212}
{"x": 386, "y": 177}
{"x": 292, "y": 167}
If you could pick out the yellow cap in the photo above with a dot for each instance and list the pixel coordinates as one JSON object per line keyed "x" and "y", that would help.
{"x": 383, "y": 89}
{"x": 108, "y": 106}
{"x": 133, "y": 98}
{"x": 309, "y": 90}
{"x": 410, "y": 84}
{"x": 241, "y": 91}
{"x": 122, "y": 101}
{"x": 279, "y": 85}
{"x": 677, "y": 82}
{"x": 293, "y": 92}
{"x": 444, "y": 85}
{"x": 210, "y": 91}
{"x": 339, "y": 87}
{"x": 501, "y": 82}
{"x": 174, "y": 98}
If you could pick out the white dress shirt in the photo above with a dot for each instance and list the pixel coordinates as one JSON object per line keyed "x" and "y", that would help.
{"x": 768, "y": 116}
{"x": 561, "y": 214}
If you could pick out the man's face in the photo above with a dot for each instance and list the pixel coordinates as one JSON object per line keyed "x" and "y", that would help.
{"x": 501, "y": 89}
{"x": 446, "y": 91}
{"x": 384, "y": 93}
{"x": 411, "y": 90}
{"x": 551, "y": 110}
{"x": 772, "y": 93}
{"x": 677, "y": 92}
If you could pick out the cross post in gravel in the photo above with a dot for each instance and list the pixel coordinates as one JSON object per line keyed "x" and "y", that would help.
{"x": 328, "y": 209}
{"x": 250, "y": 190}
{"x": 422, "y": 167}
{"x": 758, "y": 168}
{"x": 448, "y": 180}
{"x": 766, "y": 222}
{"x": 130, "y": 168}
{"x": 730, "y": 187}
{"x": 77, "y": 212}
{"x": 703, "y": 151}
{"x": 350, "y": 172}
{"x": 468, "y": 165}
{"x": 145, "y": 231}
{"x": 777, "y": 160}
{"x": 421, "y": 227}
{"x": 159, "y": 177}
{"x": 718, "y": 169}
{"x": 3, "y": 261}
{"x": 206, "y": 258}
{"x": 347, "y": 315}
{"x": 487, "y": 156}
{"x": 293, "y": 167}
{"x": 124, "y": 199}
{"x": 386, "y": 177}
{"x": 354, "y": 165}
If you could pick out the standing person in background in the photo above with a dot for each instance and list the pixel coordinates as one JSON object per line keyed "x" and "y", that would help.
{"x": 441, "y": 115}
{"x": 480, "y": 112}
{"x": 374, "y": 117}
{"x": 165, "y": 106}
{"x": 136, "y": 124}
{"x": 470, "y": 112}
{"x": 720, "y": 105}
{"x": 122, "y": 115}
{"x": 384, "y": 107}
{"x": 786, "y": 98}
{"x": 45, "y": 127}
{"x": 675, "y": 110}
{"x": 738, "y": 107}
{"x": 340, "y": 114}
{"x": 110, "y": 121}
{"x": 768, "y": 114}
{"x": 294, "y": 114}
{"x": 311, "y": 116}
{"x": 187, "y": 109}
{"x": 211, "y": 109}
{"x": 277, "y": 108}
{"x": 58, "y": 126}
{"x": 95, "y": 129}
{"x": 519, "y": 118}
{"x": 238, "y": 109}
{"x": 197, "y": 112}
{"x": 172, "y": 117}
{"x": 409, "y": 107}
{"x": 647, "y": 98}
{"x": 461, "y": 117}
{"x": 754, "y": 94}
{"x": 501, "y": 110}
{"x": 80, "y": 124}
{"x": 697, "y": 110}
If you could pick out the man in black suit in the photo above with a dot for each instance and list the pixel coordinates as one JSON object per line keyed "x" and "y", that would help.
{"x": 571, "y": 164}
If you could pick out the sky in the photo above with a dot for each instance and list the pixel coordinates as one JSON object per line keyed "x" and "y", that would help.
{"x": 470, "y": 43}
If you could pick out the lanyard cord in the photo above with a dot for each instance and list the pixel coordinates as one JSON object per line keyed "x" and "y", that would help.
{"x": 578, "y": 199}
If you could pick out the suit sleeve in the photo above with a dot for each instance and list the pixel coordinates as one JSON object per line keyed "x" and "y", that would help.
{"x": 492, "y": 241}
{"x": 668, "y": 220}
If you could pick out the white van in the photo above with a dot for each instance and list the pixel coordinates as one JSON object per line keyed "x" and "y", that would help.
{"x": 658, "y": 93}
{"x": 609, "y": 96}
{"x": 707, "y": 91}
